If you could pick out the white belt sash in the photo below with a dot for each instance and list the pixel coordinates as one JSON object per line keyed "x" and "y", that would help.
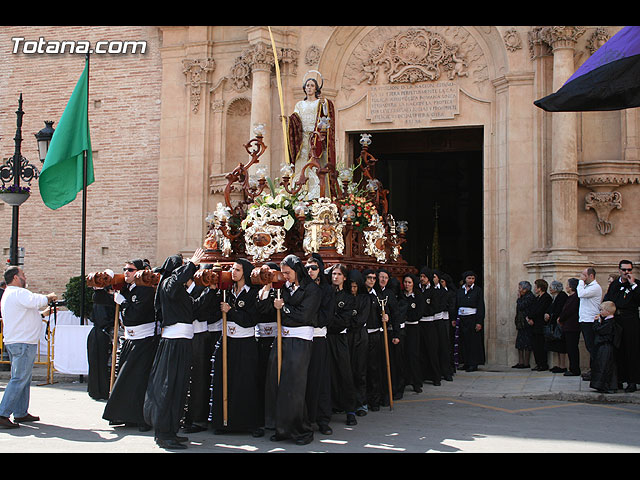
{"x": 236, "y": 331}
{"x": 178, "y": 330}
{"x": 467, "y": 311}
{"x": 320, "y": 332}
{"x": 136, "y": 332}
{"x": 305, "y": 333}
{"x": 266, "y": 329}
{"x": 199, "y": 326}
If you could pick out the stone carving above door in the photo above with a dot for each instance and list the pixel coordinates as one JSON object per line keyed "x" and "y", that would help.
{"x": 394, "y": 55}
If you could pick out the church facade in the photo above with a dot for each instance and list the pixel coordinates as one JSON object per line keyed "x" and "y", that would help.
{"x": 533, "y": 194}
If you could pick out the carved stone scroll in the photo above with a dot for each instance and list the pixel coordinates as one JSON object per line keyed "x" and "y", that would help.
{"x": 603, "y": 203}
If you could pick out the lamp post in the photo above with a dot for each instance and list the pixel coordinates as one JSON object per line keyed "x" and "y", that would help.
{"x": 13, "y": 170}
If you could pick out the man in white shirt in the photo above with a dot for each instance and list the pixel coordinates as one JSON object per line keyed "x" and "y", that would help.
{"x": 590, "y": 295}
{"x": 22, "y": 327}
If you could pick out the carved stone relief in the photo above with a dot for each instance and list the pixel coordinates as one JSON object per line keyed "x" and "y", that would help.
{"x": 397, "y": 55}
{"x": 512, "y": 40}
{"x": 603, "y": 203}
{"x": 196, "y": 72}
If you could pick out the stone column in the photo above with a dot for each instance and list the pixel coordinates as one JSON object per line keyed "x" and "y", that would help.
{"x": 564, "y": 169}
{"x": 261, "y": 60}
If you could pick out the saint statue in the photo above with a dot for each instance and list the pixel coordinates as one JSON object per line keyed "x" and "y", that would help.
{"x": 311, "y": 132}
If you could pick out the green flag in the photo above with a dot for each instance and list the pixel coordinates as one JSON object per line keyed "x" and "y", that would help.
{"x": 62, "y": 173}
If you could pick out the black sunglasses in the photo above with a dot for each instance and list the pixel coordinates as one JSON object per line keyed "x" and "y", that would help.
{"x": 312, "y": 267}
{"x": 125, "y": 269}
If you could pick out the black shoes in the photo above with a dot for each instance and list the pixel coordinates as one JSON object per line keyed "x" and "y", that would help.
{"x": 631, "y": 387}
{"x": 325, "y": 429}
{"x": 351, "y": 419}
{"x": 176, "y": 443}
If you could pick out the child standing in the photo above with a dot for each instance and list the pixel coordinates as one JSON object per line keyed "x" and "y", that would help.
{"x": 604, "y": 377}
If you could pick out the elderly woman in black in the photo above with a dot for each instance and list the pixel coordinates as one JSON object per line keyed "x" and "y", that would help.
{"x": 524, "y": 338}
{"x": 285, "y": 396}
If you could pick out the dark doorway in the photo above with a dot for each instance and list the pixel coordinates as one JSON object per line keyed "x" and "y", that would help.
{"x": 435, "y": 172}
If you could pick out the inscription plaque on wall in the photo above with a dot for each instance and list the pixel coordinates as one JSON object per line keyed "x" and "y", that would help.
{"x": 413, "y": 103}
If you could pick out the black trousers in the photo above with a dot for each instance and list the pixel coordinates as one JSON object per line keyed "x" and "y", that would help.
{"x": 586, "y": 328}
{"x": 573, "y": 352}
{"x": 539, "y": 352}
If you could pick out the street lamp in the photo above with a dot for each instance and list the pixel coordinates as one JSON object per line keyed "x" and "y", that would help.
{"x": 14, "y": 169}
{"x": 44, "y": 139}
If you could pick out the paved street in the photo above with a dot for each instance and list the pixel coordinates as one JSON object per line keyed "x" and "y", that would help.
{"x": 488, "y": 411}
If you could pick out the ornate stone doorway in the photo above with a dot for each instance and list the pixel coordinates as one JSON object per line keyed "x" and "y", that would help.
{"x": 436, "y": 172}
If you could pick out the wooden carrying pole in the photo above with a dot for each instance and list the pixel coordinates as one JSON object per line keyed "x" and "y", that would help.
{"x": 279, "y": 338}
{"x": 114, "y": 348}
{"x": 386, "y": 353}
{"x": 225, "y": 410}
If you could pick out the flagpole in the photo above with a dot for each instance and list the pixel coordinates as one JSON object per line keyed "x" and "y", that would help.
{"x": 84, "y": 211}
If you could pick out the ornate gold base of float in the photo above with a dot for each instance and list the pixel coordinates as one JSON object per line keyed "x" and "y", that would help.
{"x": 351, "y": 225}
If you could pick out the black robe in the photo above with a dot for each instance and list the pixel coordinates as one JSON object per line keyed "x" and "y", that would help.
{"x": 168, "y": 384}
{"x": 285, "y": 405}
{"x": 627, "y": 301}
{"x": 376, "y": 362}
{"x": 99, "y": 345}
{"x": 471, "y": 341}
{"x": 318, "y": 396}
{"x": 343, "y": 392}
{"x": 126, "y": 400}
{"x": 357, "y": 340}
{"x": 243, "y": 399}
{"x": 413, "y": 308}
{"x": 203, "y": 344}
{"x": 603, "y": 367}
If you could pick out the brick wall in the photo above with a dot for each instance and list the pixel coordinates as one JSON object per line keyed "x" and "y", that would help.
{"x": 124, "y": 116}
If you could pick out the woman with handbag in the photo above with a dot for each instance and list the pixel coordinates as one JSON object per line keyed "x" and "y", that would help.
{"x": 554, "y": 341}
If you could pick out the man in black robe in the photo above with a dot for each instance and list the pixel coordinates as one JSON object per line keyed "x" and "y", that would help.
{"x": 376, "y": 372}
{"x": 244, "y": 411}
{"x": 169, "y": 378}
{"x": 625, "y": 294}
{"x": 470, "y": 305}
{"x": 205, "y": 313}
{"x": 343, "y": 392}
{"x": 319, "y": 379}
{"x": 99, "y": 343}
{"x": 389, "y": 298}
{"x": 357, "y": 338}
{"x": 138, "y": 350}
{"x": 426, "y": 328}
{"x": 285, "y": 399}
